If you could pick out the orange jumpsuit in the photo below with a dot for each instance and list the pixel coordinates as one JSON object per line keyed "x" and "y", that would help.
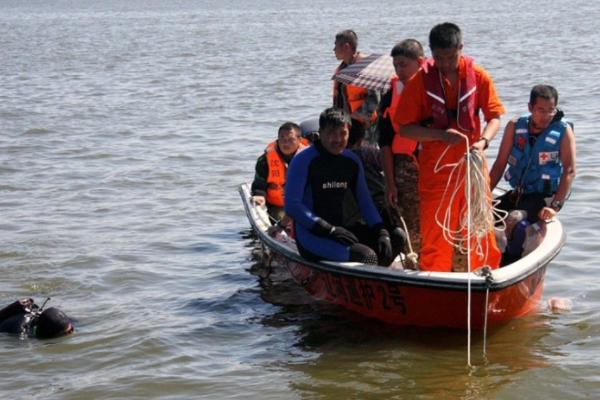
{"x": 414, "y": 107}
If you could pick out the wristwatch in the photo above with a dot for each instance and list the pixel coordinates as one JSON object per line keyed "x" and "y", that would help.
{"x": 556, "y": 205}
{"x": 487, "y": 142}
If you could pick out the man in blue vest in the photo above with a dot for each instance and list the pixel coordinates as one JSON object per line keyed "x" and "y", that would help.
{"x": 539, "y": 149}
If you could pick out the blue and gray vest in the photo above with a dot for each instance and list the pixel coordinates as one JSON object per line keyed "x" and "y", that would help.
{"x": 537, "y": 168}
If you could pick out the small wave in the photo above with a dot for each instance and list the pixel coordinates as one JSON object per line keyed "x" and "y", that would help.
{"x": 37, "y": 131}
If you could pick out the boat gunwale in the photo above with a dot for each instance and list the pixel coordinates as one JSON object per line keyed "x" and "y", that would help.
{"x": 502, "y": 278}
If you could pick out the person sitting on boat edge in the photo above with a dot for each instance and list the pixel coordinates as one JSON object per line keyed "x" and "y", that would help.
{"x": 25, "y": 318}
{"x": 271, "y": 170}
{"x": 539, "y": 149}
{"x": 399, "y": 154}
{"x": 319, "y": 179}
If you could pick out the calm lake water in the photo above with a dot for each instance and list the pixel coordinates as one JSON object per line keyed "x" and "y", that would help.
{"x": 126, "y": 127}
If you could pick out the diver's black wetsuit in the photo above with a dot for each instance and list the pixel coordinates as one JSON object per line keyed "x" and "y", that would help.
{"x": 317, "y": 184}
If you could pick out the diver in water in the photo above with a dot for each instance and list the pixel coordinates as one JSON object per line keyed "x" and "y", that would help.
{"x": 27, "y": 319}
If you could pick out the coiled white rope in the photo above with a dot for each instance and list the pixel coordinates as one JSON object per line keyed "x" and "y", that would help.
{"x": 476, "y": 216}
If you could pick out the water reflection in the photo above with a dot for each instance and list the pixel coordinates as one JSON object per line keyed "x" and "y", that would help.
{"x": 342, "y": 351}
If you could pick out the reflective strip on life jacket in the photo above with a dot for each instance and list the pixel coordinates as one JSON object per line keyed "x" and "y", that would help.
{"x": 466, "y": 111}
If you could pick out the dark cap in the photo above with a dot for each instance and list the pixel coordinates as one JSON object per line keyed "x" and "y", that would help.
{"x": 51, "y": 322}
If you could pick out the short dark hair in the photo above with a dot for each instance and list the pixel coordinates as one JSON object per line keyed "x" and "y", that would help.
{"x": 357, "y": 132}
{"x": 545, "y": 92}
{"x": 332, "y": 118}
{"x": 409, "y": 48}
{"x": 348, "y": 36}
{"x": 289, "y": 126}
{"x": 445, "y": 36}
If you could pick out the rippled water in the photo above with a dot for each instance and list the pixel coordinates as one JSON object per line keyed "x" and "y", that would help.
{"x": 125, "y": 128}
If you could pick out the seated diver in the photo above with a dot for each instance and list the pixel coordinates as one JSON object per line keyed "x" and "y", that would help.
{"x": 320, "y": 178}
{"x": 25, "y": 318}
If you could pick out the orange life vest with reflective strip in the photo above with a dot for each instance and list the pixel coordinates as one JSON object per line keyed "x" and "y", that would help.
{"x": 466, "y": 111}
{"x": 277, "y": 174}
{"x": 400, "y": 145}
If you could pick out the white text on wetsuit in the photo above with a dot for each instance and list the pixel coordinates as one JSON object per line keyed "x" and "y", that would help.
{"x": 335, "y": 185}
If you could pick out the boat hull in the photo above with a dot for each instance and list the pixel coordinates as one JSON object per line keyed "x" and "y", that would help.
{"x": 427, "y": 299}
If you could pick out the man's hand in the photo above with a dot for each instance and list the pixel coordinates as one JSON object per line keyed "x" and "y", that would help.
{"x": 391, "y": 194}
{"x": 479, "y": 145}
{"x": 547, "y": 213}
{"x": 259, "y": 200}
{"x": 452, "y": 137}
{"x": 324, "y": 229}
{"x": 343, "y": 236}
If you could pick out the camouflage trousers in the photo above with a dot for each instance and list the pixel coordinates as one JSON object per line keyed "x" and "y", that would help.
{"x": 406, "y": 175}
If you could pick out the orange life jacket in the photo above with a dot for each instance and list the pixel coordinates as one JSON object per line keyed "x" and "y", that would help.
{"x": 400, "y": 145}
{"x": 355, "y": 95}
{"x": 466, "y": 111}
{"x": 277, "y": 174}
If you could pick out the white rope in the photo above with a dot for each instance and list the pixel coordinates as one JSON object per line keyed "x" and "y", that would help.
{"x": 411, "y": 256}
{"x": 476, "y": 216}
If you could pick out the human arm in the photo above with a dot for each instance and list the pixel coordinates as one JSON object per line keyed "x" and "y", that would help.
{"x": 387, "y": 162}
{"x": 259, "y": 185}
{"x": 449, "y": 136}
{"x": 490, "y": 105}
{"x": 502, "y": 158}
{"x": 568, "y": 159}
{"x": 279, "y": 225}
{"x": 385, "y": 139}
{"x": 489, "y": 132}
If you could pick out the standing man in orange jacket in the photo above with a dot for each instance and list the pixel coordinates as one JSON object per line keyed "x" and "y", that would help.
{"x": 359, "y": 102}
{"x": 398, "y": 154}
{"x": 447, "y": 95}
